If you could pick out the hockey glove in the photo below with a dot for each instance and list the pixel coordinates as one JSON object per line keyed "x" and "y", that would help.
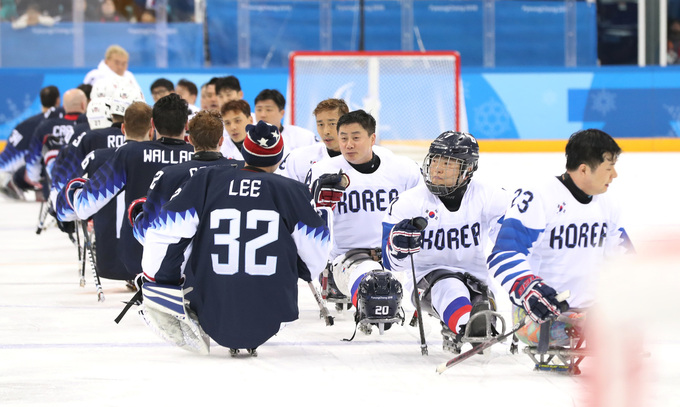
{"x": 537, "y": 298}
{"x": 135, "y": 209}
{"x": 50, "y": 149}
{"x": 405, "y": 238}
{"x": 328, "y": 188}
{"x": 73, "y": 186}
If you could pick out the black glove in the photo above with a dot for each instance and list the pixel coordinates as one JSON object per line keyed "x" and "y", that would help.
{"x": 537, "y": 299}
{"x": 328, "y": 188}
{"x": 406, "y": 237}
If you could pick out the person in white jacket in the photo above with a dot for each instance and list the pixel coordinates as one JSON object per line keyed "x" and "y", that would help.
{"x": 115, "y": 62}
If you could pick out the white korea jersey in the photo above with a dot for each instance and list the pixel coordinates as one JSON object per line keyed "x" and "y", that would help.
{"x": 457, "y": 241}
{"x": 548, "y": 233}
{"x": 357, "y": 219}
{"x": 229, "y": 149}
{"x": 295, "y": 137}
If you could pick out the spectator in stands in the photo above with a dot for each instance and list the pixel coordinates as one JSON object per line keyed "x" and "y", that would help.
{"x": 148, "y": 16}
{"x": 8, "y": 10}
{"x": 33, "y": 16}
{"x": 108, "y": 12}
{"x": 115, "y": 62}
{"x": 673, "y": 42}
{"x": 161, "y": 87}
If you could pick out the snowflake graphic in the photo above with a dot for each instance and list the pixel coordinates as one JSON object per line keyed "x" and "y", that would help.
{"x": 673, "y": 111}
{"x": 603, "y": 101}
{"x": 492, "y": 118}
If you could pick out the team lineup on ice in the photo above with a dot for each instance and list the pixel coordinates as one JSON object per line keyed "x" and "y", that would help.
{"x": 255, "y": 226}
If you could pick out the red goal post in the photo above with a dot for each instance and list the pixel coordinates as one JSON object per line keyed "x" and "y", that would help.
{"x": 412, "y": 95}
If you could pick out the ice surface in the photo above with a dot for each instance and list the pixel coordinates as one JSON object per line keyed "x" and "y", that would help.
{"x": 60, "y": 347}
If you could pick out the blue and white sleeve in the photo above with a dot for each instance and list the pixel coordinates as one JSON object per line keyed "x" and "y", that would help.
{"x": 509, "y": 259}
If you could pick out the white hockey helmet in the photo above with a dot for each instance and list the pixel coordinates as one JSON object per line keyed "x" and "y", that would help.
{"x": 105, "y": 88}
{"x": 123, "y": 97}
{"x": 98, "y": 115}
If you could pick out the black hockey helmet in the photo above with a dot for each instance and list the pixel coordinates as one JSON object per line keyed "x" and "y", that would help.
{"x": 379, "y": 296}
{"x": 449, "y": 148}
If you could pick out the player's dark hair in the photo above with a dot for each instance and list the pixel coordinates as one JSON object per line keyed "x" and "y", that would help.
{"x": 137, "y": 120}
{"x": 191, "y": 87}
{"x": 49, "y": 96}
{"x": 331, "y": 104}
{"x": 271, "y": 94}
{"x": 162, "y": 83}
{"x": 205, "y": 129}
{"x": 589, "y": 147}
{"x": 364, "y": 119}
{"x": 170, "y": 115}
{"x": 86, "y": 88}
{"x": 236, "y": 105}
{"x": 213, "y": 80}
{"x": 227, "y": 83}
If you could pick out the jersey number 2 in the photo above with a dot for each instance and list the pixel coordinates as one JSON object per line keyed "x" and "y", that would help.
{"x": 231, "y": 240}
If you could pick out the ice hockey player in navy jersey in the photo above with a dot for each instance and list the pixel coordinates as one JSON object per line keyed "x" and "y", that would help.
{"x": 13, "y": 157}
{"x": 130, "y": 170}
{"x": 556, "y": 235}
{"x": 205, "y": 134}
{"x": 52, "y": 135}
{"x": 459, "y": 219}
{"x": 375, "y": 178}
{"x": 249, "y": 235}
{"x": 108, "y": 222}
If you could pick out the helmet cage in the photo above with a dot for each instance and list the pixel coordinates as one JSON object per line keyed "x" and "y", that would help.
{"x": 466, "y": 168}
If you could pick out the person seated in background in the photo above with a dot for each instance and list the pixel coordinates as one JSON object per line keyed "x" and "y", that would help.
{"x": 148, "y": 16}
{"x": 108, "y": 13}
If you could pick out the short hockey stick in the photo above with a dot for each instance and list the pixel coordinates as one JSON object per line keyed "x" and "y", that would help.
{"x": 324, "y": 311}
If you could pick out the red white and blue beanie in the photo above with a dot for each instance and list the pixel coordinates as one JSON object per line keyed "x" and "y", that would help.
{"x": 263, "y": 145}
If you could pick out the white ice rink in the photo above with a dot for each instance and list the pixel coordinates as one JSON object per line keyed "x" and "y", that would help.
{"x": 60, "y": 347}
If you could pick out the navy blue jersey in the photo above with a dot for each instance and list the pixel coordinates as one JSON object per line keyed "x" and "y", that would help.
{"x": 61, "y": 128}
{"x": 130, "y": 171}
{"x": 13, "y": 156}
{"x": 167, "y": 181}
{"x": 249, "y": 236}
{"x": 107, "y": 224}
{"x": 67, "y": 165}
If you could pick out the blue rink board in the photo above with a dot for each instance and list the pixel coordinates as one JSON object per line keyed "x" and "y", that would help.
{"x": 528, "y": 104}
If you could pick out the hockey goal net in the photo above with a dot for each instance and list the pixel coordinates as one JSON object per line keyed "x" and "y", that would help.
{"x": 412, "y": 95}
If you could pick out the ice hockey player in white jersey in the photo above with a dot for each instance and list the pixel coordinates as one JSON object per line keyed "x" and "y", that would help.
{"x": 236, "y": 116}
{"x": 375, "y": 179}
{"x": 249, "y": 236}
{"x": 297, "y": 163}
{"x": 460, "y": 217}
{"x": 556, "y": 235}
